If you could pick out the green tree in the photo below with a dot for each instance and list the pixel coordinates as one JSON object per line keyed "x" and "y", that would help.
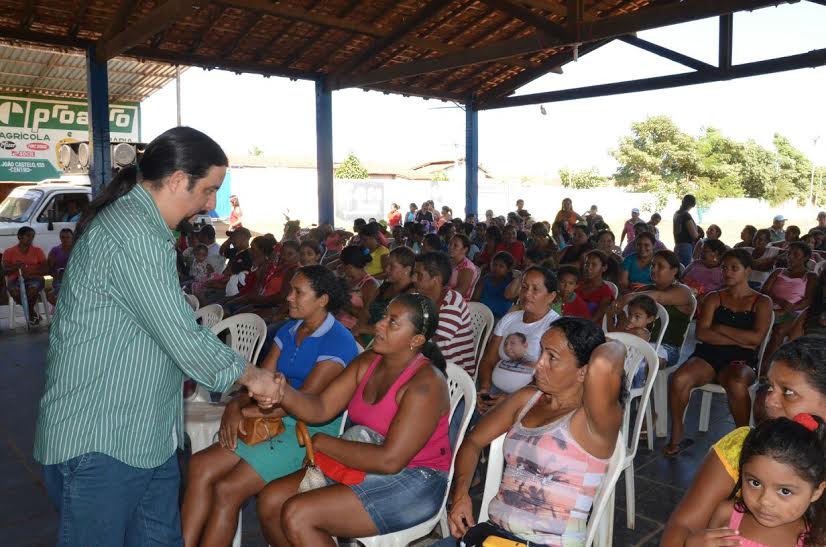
{"x": 794, "y": 169}
{"x": 255, "y": 151}
{"x": 587, "y": 178}
{"x": 440, "y": 176}
{"x": 351, "y": 168}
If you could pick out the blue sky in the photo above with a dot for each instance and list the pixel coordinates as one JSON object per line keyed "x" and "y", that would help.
{"x": 277, "y": 115}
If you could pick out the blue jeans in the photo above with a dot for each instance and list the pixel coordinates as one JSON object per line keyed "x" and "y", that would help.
{"x": 684, "y": 252}
{"x": 104, "y": 502}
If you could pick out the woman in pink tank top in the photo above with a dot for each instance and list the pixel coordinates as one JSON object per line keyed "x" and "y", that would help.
{"x": 559, "y": 435}
{"x": 399, "y": 391}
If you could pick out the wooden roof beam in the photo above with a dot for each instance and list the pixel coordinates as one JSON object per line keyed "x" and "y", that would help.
{"x": 590, "y": 31}
{"x": 81, "y": 13}
{"x": 28, "y": 15}
{"x": 527, "y": 16}
{"x": 812, "y": 59}
{"x": 666, "y": 53}
{"x": 156, "y": 21}
{"x": 397, "y": 36}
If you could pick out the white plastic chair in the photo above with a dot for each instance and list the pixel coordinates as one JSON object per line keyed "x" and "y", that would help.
{"x": 210, "y": 315}
{"x": 601, "y": 520}
{"x": 481, "y": 321}
{"x": 192, "y": 300}
{"x": 661, "y": 382}
{"x": 819, "y": 267}
{"x": 461, "y": 387}
{"x": 43, "y": 302}
{"x": 709, "y": 389}
{"x": 638, "y": 351}
{"x": 247, "y": 333}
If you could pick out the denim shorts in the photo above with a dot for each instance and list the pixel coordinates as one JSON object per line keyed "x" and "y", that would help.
{"x": 389, "y": 499}
{"x": 673, "y": 353}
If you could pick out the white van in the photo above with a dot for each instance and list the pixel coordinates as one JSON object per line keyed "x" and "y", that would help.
{"x": 48, "y": 207}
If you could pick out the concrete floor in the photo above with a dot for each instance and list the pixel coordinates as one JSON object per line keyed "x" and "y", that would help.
{"x": 27, "y": 518}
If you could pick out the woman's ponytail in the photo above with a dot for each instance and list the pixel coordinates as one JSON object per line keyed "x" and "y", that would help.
{"x": 122, "y": 184}
{"x": 432, "y": 352}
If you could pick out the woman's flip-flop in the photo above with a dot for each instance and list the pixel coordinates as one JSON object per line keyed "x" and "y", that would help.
{"x": 672, "y": 450}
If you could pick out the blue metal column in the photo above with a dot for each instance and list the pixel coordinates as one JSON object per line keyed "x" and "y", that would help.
{"x": 97, "y": 88}
{"x": 324, "y": 152}
{"x": 471, "y": 159}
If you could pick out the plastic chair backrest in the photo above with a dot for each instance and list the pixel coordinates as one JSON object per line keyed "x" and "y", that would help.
{"x": 638, "y": 350}
{"x": 819, "y": 267}
{"x": 247, "y": 333}
{"x": 496, "y": 466}
{"x": 693, "y": 300}
{"x": 210, "y": 315}
{"x": 762, "y": 349}
{"x": 193, "y": 302}
{"x": 481, "y": 321}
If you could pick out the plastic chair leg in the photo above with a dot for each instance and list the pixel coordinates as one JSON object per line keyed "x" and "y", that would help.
{"x": 705, "y": 411}
{"x": 649, "y": 424}
{"x": 12, "y": 321}
{"x": 45, "y": 302}
{"x": 630, "y": 500}
{"x": 661, "y": 403}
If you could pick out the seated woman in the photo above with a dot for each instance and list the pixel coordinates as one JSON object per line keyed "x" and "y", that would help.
{"x": 465, "y": 273}
{"x": 398, "y": 280}
{"x": 57, "y": 261}
{"x": 310, "y": 350}
{"x": 746, "y": 236}
{"x": 362, "y": 286}
{"x": 792, "y": 290}
{"x": 309, "y": 253}
{"x": 797, "y": 384}
{"x": 580, "y": 245}
{"x": 675, "y": 297}
{"x": 270, "y": 280}
{"x": 763, "y": 258}
{"x": 501, "y": 374}
{"x": 704, "y": 275}
{"x": 733, "y": 323}
{"x": 596, "y": 293}
{"x": 712, "y": 234}
{"x": 490, "y": 290}
{"x": 398, "y": 390}
{"x": 370, "y": 237}
{"x": 636, "y": 268}
{"x": 493, "y": 245}
{"x": 560, "y": 434}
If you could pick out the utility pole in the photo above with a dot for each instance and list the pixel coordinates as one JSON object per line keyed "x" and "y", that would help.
{"x": 812, "y": 182}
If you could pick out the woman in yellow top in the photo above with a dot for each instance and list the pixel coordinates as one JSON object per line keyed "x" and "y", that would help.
{"x": 369, "y": 236}
{"x": 797, "y": 383}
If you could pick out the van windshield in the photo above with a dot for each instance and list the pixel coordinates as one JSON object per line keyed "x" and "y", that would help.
{"x": 19, "y": 205}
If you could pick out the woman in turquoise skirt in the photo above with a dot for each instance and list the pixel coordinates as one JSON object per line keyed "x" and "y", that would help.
{"x": 310, "y": 350}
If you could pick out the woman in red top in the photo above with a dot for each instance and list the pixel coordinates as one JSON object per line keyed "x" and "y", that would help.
{"x": 272, "y": 282}
{"x": 394, "y": 217}
{"x": 493, "y": 245}
{"x": 512, "y": 245}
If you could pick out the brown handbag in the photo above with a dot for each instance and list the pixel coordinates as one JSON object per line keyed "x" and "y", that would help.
{"x": 259, "y": 430}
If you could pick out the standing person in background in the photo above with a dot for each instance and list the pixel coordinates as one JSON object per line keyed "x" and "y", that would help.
{"x": 685, "y": 230}
{"x": 410, "y": 216}
{"x": 628, "y": 228}
{"x": 592, "y": 217}
{"x": 110, "y": 419}
{"x": 777, "y": 232}
{"x": 394, "y": 217}
{"x": 236, "y": 215}
{"x": 656, "y": 218}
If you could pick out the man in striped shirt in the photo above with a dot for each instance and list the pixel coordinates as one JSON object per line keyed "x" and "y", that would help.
{"x": 121, "y": 343}
{"x": 454, "y": 334}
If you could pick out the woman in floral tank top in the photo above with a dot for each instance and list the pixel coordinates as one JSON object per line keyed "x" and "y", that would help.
{"x": 560, "y": 434}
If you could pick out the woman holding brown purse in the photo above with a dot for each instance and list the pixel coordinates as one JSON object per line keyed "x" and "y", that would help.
{"x": 310, "y": 350}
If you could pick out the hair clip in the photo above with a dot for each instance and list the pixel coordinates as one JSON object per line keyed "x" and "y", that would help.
{"x": 806, "y": 420}
{"x": 425, "y": 313}
{"x": 365, "y": 251}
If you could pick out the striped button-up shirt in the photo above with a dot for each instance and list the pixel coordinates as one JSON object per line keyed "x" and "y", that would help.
{"x": 122, "y": 340}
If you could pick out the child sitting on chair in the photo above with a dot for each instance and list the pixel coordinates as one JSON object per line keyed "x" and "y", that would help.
{"x": 642, "y": 312}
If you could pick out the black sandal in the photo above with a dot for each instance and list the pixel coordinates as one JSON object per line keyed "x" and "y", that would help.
{"x": 671, "y": 450}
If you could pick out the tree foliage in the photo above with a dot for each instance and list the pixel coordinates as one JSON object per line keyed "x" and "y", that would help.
{"x": 658, "y": 157}
{"x": 351, "y": 168}
{"x": 587, "y": 178}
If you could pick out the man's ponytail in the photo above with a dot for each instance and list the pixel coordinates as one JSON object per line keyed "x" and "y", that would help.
{"x": 177, "y": 149}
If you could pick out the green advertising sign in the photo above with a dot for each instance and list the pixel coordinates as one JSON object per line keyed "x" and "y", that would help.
{"x": 33, "y": 128}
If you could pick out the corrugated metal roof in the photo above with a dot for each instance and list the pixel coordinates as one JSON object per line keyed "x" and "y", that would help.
{"x": 51, "y": 72}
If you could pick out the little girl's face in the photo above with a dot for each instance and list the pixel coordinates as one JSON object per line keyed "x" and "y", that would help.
{"x": 638, "y": 319}
{"x": 200, "y": 256}
{"x": 774, "y": 493}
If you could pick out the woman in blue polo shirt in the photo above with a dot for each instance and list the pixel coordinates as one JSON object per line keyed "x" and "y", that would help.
{"x": 310, "y": 349}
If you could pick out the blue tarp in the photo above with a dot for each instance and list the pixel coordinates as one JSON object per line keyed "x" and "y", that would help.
{"x": 222, "y": 206}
